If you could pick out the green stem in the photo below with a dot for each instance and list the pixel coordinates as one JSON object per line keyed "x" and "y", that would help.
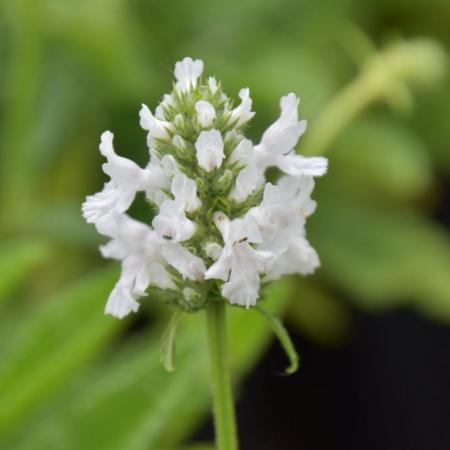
{"x": 339, "y": 113}
{"x": 387, "y": 76}
{"x": 224, "y": 418}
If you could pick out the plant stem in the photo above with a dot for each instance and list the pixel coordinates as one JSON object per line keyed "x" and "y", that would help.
{"x": 339, "y": 113}
{"x": 224, "y": 417}
{"x": 387, "y": 75}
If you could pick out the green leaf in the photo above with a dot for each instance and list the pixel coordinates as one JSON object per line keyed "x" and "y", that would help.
{"x": 52, "y": 344}
{"x": 168, "y": 341}
{"x": 381, "y": 158}
{"x": 129, "y": 401}
{"x": 284, "y": 338}
{"x": 18, "y": 258}
{"x": 383, "y": 256}
{"x": 318, "y": 314}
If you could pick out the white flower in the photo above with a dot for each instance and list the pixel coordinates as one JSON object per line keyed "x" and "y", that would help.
{"x": 213, "y": 250}
{"x": 187, "y": 73}
{"x": 299, "y": 257}
{"x": 189, "y": 265}
{"x": 171, "y": 221}
{"x": 251, "y": 177}
{"x": 157, "y": 128}
{"x": 189, "y": 294}
{"x": 279, "y": 140}
{"x": 127, "y": 178}
{"x": 126, "y": 174}
{"x": 185, "y": 190}
{"x": 205, "y": 113}
{"x": 200, "y": 162}
{"x": 209, "y": 147}
{"x": 242, "y": 113}
{"x": 281, "y": 219}
{"x": 160, "y": 173}
{"x": 239, "y": 264}
{"x": 242, "y": 153}
{"x": 139, "y": 249}
{"x": 212, "y": 84}
{"x": 179, "y": 142}
{"x": 168, "y": 101}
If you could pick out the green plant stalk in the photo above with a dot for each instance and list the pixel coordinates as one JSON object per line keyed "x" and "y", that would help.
{"x": 224, "y": 417}
{"x": 387, "y": 75}
{"x": 347, "y": 105}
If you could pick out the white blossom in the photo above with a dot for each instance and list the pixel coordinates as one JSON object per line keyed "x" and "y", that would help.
{"x": 189, "y": 294}
{"x": 242, "y": 113}
{"x": 187, "y": 73}
{"x": 103, "y": 208}
{"x": 156, "y": 127}
{"x": 160, "y": 173}
{"x": 278, "y": 142}
{"x": 139, "y": 249}
{"x": 189, "y": 265}
{"x": 185, "y": 191}
{"x": 209, "y": 147}
{"x": 179, "y": 142}
{"x": 213, "y": 250}
{"x": 205, "y": 113}
{"x": 171, "y": 221}
{"x": 212, "y": 84}
{"x": 281, "y": 219}
{"x": 216, "y": 225}
{"x": 239, "y": 264}
{"x": 127, "y": 176}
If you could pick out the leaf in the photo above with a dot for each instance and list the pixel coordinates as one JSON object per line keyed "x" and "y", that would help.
{"x": 18, "y": 258}
{"x": 383, "y": 256}
{"x": 207, "y": 446}
{"x": 318, "y": 314}
{"x": 284, "y": 338}
{"x": 168, "y": 340}
{"x": 380, "y": 158}
{"x": 52, "y": 344}
{"x": 130, "y": 401}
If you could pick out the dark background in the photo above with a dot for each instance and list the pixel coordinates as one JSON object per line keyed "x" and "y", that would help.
{"x": 387, "y": 389}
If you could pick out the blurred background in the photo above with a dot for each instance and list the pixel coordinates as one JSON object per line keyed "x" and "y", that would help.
{"x": 371, "y": 327}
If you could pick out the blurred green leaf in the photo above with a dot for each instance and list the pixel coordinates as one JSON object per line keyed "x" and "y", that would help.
{"x": 318, "y": 314}
{"x": 18, "y": 258}
{"x": 383, "y": 256}
{"x": 130, "y": 401}
{"x": 168, "y": 341}
{"x": 283, "y": 336}
{"x": 381, "y": 158}
{"x": 51, "y": 344}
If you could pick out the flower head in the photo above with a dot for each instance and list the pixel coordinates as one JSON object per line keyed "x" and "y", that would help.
{"x": 218, "y": 227}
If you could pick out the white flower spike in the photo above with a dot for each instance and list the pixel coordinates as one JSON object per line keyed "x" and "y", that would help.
{"x": 216, "y": 228}
{"x": 187, "y": 73}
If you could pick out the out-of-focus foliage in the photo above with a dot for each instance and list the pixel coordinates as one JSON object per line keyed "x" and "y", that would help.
{"x": 71, "y": 378}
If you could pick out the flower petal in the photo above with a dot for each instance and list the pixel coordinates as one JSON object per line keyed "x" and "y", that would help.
{"x": 209, "y": 147}
{"x": 189, "y": 265}
{"x": 187, "y": 73}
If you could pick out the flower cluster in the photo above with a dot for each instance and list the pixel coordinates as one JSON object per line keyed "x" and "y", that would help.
{"x": 218, "y": 226}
